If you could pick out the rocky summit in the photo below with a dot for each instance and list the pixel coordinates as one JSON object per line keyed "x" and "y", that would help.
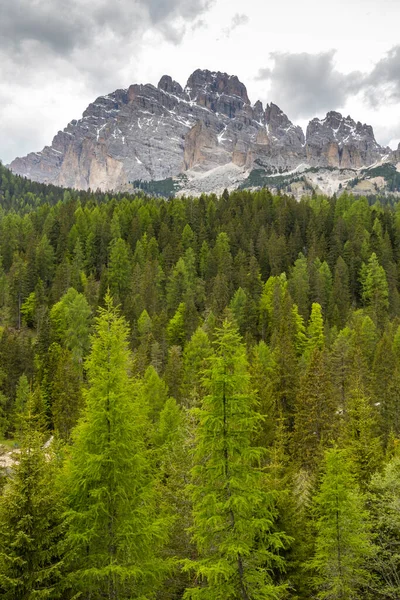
{"x": 208, "y": 130}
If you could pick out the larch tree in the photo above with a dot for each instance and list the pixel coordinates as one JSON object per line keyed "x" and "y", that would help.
{"x": 375, "y": 289}
{"x": 234, "y": 515}
{"x": 360, "y": 435}
{"x": 195, "y": 355}
{"x": 383, "y": 500}
{"x": 31, "y": 524}
{"x": 114, "y": 531}
{"x": 343, "y": 538}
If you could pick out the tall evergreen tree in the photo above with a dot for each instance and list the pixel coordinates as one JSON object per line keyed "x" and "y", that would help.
{"x": 360, "y": 436}
{"x": 31, "y": 526}
{"x": 383, "y": 500}
{"x": 314, "y": 412}
{"x": 114, "y": 531}
{"x": 233, "y": 514}
{"x": 343, "y": 543}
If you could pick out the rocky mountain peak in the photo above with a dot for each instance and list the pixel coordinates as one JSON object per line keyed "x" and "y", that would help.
{"x": 203, "y": 81}
{"x": 341, "y": 142}
{"x": 258, "y": 110}
{"x": 340, "y": 129}
{"x": 153, "y": 133}
{"x": 275, "y": 117}
{"x": 167, "y": 84}
{"x": 280, "y": 126}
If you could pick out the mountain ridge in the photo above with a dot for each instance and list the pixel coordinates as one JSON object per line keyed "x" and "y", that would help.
{"x": 148, "y": 132}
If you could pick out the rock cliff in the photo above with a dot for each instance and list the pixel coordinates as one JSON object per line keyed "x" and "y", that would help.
{"x": 152, "y": 133}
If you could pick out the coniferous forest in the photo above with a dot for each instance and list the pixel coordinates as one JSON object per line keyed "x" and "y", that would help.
{"x": 202, "y": 396}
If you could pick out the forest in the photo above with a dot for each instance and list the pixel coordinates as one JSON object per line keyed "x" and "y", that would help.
{"x": 201, "y": 396}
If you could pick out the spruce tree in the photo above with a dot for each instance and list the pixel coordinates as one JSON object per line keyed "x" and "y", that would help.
{"x": 114, "y": 532}
{"x": 233, "y": 513}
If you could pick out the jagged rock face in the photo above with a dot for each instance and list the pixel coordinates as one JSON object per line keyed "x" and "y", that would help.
{"x": 396, "y": 155}
{"x": 219, "y": 92}
{"x": 338, "y": 141}
{"x": 282, "y": 143}
{"x": 150, "y": 133}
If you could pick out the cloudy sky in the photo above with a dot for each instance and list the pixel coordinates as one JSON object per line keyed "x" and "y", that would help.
{"x": 309, "y": 57}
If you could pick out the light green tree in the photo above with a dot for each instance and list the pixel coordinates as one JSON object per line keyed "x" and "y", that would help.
{"x": 375, "y": 289}
{"x": 113, "y": 529}
{"x": 70, "y": 321}
{"x": 234, "y": 515}
{"x": 195, "y": 355}
{"x": 383, "y": 500}
{"x": 31, "y": 525}
{"x": 343, "y": 543}
{"x": 360, "y": 435}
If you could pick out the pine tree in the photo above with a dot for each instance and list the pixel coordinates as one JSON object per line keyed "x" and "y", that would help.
{"x": 114, "y": 532}
{"x": 120, "y": 268}
{"x": 315, "y": 329}
{"x": 21, "y": 402}
{"x": 154, "y": 393}
{"x": 343, "y": 543}
{"x": 264, "y": 381}
{"x": 299, "y": 286}
{"x": 233, "y": 514}
{"x": 66, "y": 394}
{"x": 31, "y": 526}
{"x": 340, "y": 297}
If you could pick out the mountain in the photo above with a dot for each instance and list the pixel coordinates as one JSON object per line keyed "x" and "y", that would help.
{"x": 209, "y": 131}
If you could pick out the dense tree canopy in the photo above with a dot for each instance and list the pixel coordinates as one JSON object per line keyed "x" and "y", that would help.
{"x": 218, "y": 385}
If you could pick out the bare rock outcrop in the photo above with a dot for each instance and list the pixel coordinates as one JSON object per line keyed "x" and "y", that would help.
{"x": 151, "y": 133}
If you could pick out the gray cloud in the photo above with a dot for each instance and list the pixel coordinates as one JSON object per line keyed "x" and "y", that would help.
{"x": 55, "y": 50}
{"x": 383, "y": 83}
{"x": 237, "y": 21}
{"x": 307, "y": 84}
{"x": 50, "y": 24}
{"x": 64, "y": 26}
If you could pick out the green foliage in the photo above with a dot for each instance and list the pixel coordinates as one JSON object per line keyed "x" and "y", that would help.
{"x": 343, "y": 543}
{"x": 383, "y": 502}
{"x": 113, "y": 530}
{"x": 375, "y": 291}
{"x": 166, "y": 188}
{"x": 314, "y": 289}
{"x": 233, "y": 514}
{"x": 361, "y": 438}
{"x": 315, "y": 425}
{"x": 31, "y": 523}
{"x": 70, "y": 323}
{"x": 315, "y": 329}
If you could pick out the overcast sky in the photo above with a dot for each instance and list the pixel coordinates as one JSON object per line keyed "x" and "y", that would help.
{"x": 308, "y": 57}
